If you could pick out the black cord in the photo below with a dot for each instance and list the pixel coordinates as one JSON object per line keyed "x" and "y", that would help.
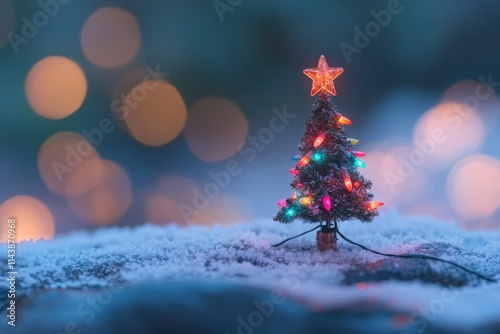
{"x": 417, "y": 256}
{"x": 404, "y": 256}
{"x": 286, "y": 240}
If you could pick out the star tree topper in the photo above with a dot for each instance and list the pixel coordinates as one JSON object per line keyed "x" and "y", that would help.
{"x": 323, "y": 77}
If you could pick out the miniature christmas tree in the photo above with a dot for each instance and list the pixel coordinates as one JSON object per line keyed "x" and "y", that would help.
{"x": 327, "y": 184}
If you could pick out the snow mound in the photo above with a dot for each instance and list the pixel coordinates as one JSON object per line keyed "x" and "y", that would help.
{"x": 243, "y": 255}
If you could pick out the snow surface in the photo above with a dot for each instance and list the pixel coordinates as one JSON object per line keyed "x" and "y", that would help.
{"x": 219, "y": 270}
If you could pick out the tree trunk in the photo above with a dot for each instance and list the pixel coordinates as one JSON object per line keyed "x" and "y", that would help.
{"x": 327, "y": 237}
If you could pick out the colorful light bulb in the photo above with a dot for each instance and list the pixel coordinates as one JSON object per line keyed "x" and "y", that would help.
{"x": 305, "y": 201}
{"x": 317, "y": 156}
{"x": 290, "y": 212}
{"x": 359, "y": 163}
{"x": 347, "y": 179}
{"x": 319, "y": 139}
{"x": 357, "y": 184}
{"x": 281, "y": 203}
{"x": 342, "y": 119}
{"x": 296, "y": 157}
{"x": 327, "y": 202}
{"x": 358, "y": 154}
{"x": 370, "y": 206}
{"x": 305, "y": 160}
{"x": 293, "y": 171}
{"x": 353, "y": 141}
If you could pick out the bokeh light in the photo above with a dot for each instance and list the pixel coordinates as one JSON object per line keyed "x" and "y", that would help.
{"x": 396, "y": 181}
{"x": 7, "y": 21}
{"x": 55, "y": 87}
{"x": 436, "y": 210}
{"x": 156, "y": 113}
{"x": 161, "y": 209}
{"x": 85, "y": 177}
{"x": 63, "y": 159}
{"x": 171, "y": 191}
{"x": 216, "y": 128}
{"x": 221, "y": 210}
{"x": 477, "y": 96}
{"x": 108, "y": 200}
{"x": 121, "y": 89}
{"x": 33, "y": 219}
{"x": 447, "y": 133}
{"x": 110, "y": 37}
{"x": 473, "y": 186}
{"x": 181, "y": 200}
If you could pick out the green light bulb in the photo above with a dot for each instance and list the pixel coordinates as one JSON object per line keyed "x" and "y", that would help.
{"x": 359, "y": 163}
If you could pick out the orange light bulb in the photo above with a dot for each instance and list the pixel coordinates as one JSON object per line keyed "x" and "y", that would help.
{"x": 304, "y": 161}
{"x": 342, "y": 119}
{"x": 305, "y": 201}
{"x": 347, "y": 180}
{"x": 319, "y": 140}
{"x": 370, "y": 206}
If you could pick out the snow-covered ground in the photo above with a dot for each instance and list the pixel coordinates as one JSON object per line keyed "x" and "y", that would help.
{"x": 229, "y": 279}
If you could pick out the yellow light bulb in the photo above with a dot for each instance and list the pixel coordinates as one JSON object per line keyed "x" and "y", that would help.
{"x": 353, "y": 141}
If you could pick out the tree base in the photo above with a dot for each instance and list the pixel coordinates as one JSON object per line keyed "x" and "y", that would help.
{"x": 326, "y": 239}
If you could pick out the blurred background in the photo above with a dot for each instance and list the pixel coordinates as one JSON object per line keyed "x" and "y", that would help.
{"x": 118, "y": 113}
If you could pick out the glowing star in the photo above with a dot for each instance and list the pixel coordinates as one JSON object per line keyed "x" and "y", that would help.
{"x": 323, "y": 77}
